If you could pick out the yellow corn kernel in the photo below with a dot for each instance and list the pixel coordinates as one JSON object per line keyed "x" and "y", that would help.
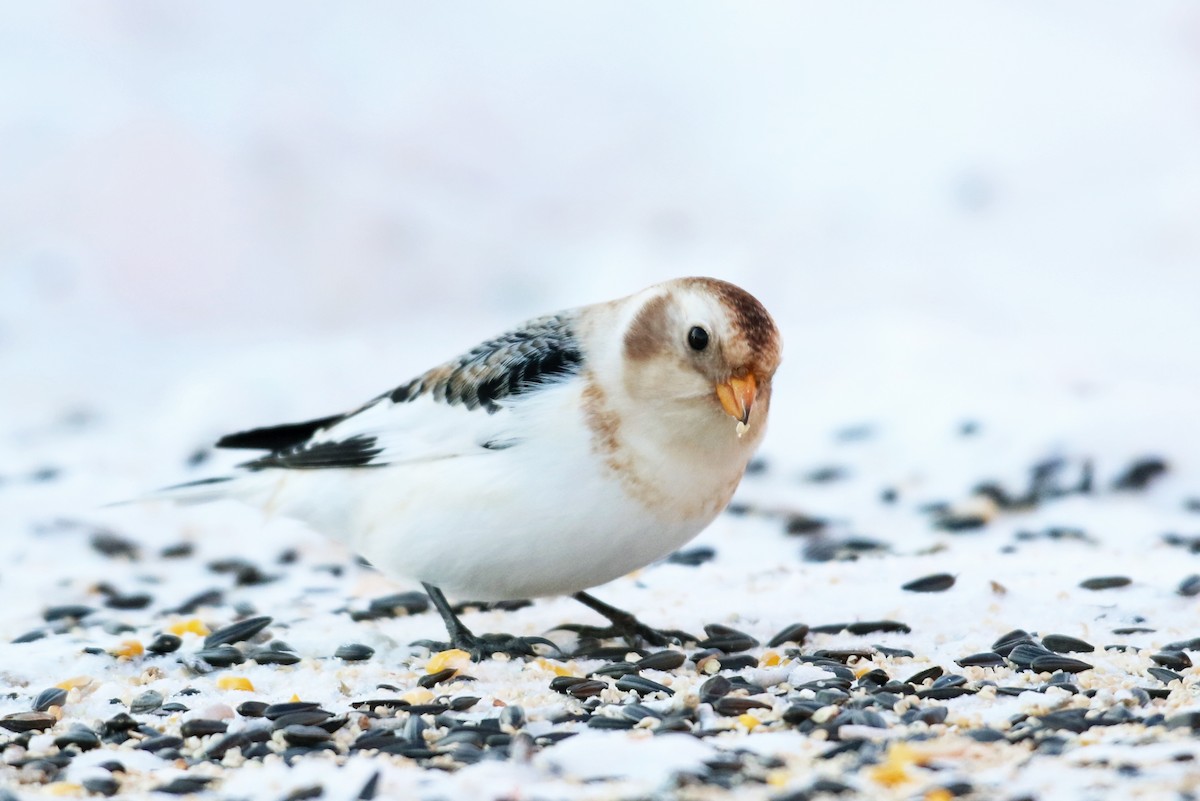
{"x": 418, "y": 695}
{"x": 128, "y": 649}
{"x": 189, "y": 626}
{"x": 770, "y": 659}
{"x": 73, "y": 682}
{"x": 749, "y": 721}
{"x": 235, "y": 683}
{"x": 893, "y": 770}
{"x": 295, "y": 699}
{"x": 455, "y": 658}
{"x": 63, "y": 788}
{"x": 939, "y": 794}
{"x": 557, "y": 668}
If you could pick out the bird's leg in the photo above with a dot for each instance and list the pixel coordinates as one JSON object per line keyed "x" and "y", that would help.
{"x": 479, "y": 646}
{"x": 624, "y": 625}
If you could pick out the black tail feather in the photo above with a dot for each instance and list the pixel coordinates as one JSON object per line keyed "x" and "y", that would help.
{"x": 277, "y": 438}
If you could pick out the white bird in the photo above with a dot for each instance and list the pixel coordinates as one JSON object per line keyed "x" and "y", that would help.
{"x": 555, "y": 457}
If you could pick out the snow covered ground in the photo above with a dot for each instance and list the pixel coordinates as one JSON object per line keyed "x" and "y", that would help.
{"x": 976, "y": 226}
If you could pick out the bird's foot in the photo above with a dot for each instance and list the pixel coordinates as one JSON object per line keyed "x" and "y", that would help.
{"x": 624, "y": 624}
{"x": 633, "y": 631}
{"x": 485, "y": 646}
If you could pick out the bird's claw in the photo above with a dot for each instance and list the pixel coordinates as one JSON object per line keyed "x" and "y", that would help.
{"x": 484, "y": 646}
{"x": 634, "y": 632}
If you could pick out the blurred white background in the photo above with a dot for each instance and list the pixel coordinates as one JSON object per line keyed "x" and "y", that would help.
{"x": 999, "y": 194}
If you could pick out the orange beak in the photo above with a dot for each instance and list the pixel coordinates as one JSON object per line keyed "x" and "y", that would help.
{"x": 737, "y": 396}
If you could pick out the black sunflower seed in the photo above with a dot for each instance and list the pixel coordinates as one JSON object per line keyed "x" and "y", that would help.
{"x": 273, "y": 656}
{"x": 367, "y": 793}
{"x": 27, "y": 721}
{"x": 922, "y": 676}
{"x": 155, "y": 744}
{"x": 432, "y": 679}
{"x": 354, "y": 652}
{"x": 184, "y": 785}
{"x": 616, "y": 669}
{"x": 732, "y": 706}
{"x": 605, "y": 722}
{"x": 1024, "y": 653}
{"x": 164, "y": 644}
{"x": 79, "y": 736}
{"x": 66, "y": 612}
{"x": 221, "y": 656}
{"x": 1139, "y": 474}
{"x": 641, "y": 685}
{"x": 878, "y": 627}
{"x": 1062, "y": 644}
{"x": 1055, "y": 662}
{"x": 693, "y": 557}
{"x": 237, "y": 632}
{"x": 252, "y": 709}
{"x": 101, "y": 785}
{"x": 937, "y": 582}
{"x": 793, "y": 633}
{"x": 560, "y": 684}
{"x": 1190, "y": 586}
{"x": 984, "y": 659}
{"x": 1175, "y": 660}
{"x": 930, "y": 715}
{"x": 724, "y": 638}
{"x": 1105, "y": 582}
{"x": 52, "y": 696}
{"x": 949, "y": 680}
{"x": 714, "y": 688}
{"x": 146, "y": 702}
{"x": 1162, "y": 674}
{"x": 302, "y": 717}
{"x": 843, "y": 655}
{"x": 587, "y": 688}
{"x": 202, "y": 727}
{"x": 305, "y": 735}
{"x": 661, "y": 660}
{"x": 1006, "y": 642}
{"x": 276, "y": 711}
{"x": 115, "y": 546}
{"x": 945, "y": 693}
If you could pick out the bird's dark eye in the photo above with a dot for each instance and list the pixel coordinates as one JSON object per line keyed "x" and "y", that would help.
{"x": 697, "y": 338}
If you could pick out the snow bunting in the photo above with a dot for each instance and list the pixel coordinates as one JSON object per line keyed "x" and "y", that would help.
{"x": 558, "y": 456}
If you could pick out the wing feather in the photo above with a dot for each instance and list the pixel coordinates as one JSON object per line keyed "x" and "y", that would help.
{"x": 434, "y": 416}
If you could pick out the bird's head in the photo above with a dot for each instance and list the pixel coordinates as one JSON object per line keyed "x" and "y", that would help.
{"x": 705, "y": 342}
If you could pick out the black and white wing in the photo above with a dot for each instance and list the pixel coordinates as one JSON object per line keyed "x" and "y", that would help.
{"x": 460, "y": 408}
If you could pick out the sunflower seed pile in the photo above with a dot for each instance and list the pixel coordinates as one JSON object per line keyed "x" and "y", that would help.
{"x": 851, "y": 637}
